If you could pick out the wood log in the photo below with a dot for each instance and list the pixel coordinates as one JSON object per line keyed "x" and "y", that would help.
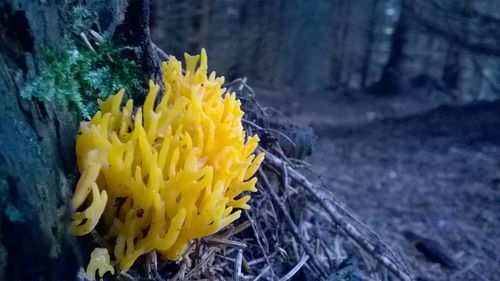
{"x": 37, "y": 162}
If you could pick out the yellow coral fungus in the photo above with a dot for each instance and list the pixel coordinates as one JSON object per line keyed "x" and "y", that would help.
{"x": 99, "y": 261}
{"x": 159, "y": 176}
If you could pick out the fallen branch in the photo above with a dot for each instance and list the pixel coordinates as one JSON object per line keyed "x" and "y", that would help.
{"x": 351, "y": 231}
{"x": 295, "y": 229}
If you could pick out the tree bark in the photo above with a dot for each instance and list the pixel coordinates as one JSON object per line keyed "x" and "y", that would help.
{"x": 390, "y": 80}
{"x": 37, "y": 162}
{"x": 367, "y": 59}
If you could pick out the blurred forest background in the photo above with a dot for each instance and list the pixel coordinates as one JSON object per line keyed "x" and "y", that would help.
{"x": 403, "y": 96}
{"x": 340, "y": 45}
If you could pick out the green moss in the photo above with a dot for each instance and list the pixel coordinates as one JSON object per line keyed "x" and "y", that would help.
{"x": 79, "y": 76}
{"x": 77, "y": 19}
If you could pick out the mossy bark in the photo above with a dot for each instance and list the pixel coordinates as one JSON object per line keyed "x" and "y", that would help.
{"x": 37, "y": 163}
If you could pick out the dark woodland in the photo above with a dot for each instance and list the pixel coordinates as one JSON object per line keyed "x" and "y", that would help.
{"x": 380, "y": 120}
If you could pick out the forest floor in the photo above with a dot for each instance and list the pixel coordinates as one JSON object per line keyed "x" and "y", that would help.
{"x": 410, "y": 163}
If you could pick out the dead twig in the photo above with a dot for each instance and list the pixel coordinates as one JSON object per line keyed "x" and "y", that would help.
{"x": 81, "y": 276}
{"x": 295, "y": 269}
{"x": 292, "y": 224}
{"x": 237, "y": 265}
{"x": 204, "y": 260}
{"x": 87, "y": 42}
{"x": 259, "y": 242}
{"x": 259, "y": 128}
{"x": 98, "y": 37}
{"x": 163, "y": 56}
{"x": 262, "y": 273}
{"x": 216, "y": 240}
{"x": 374, "y": 250}
{"x": 152, "y": 266}
{"x": 125, "y": 276}
{"x": 181, "y": 273}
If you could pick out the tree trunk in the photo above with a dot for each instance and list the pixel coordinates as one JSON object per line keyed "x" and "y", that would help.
{"x": 345, "y": 72}
{"x": 37, "y": 162}
{"x": 367, "y": 59}
{"x": 390, "y": 80}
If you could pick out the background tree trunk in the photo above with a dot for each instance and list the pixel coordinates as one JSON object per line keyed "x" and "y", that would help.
{"x": 368, "y": 52}
{"x": 390, "y": 80}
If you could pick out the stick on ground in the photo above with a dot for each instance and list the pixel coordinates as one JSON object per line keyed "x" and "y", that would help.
{"x": 339, "y": 219}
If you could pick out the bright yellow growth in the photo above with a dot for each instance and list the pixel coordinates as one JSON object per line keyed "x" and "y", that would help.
{"x": 99, "y": 261}
{"x": 162, "y": 175}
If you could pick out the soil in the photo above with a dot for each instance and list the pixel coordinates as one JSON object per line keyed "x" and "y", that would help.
{"x": 418, "y": 169}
